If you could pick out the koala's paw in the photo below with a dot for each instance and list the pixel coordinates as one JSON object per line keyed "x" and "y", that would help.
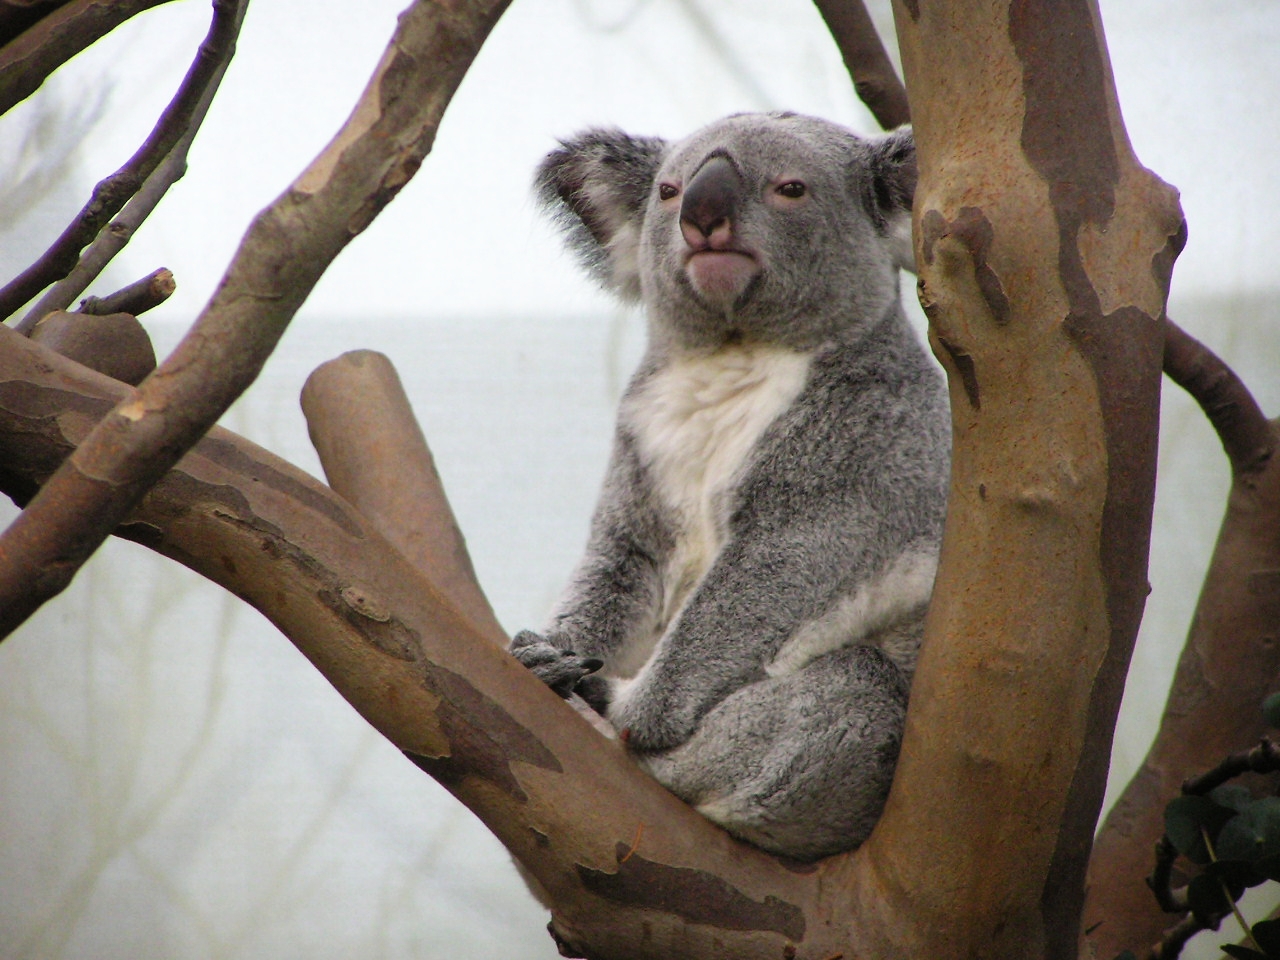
{"x": 561, "y": 670}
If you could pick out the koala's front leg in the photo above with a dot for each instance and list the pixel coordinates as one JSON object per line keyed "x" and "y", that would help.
{"x": 754, "y": 597}
{"x": 613, "y": 598}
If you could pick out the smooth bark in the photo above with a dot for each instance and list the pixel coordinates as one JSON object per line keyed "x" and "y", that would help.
{"x": 1036, "y": 236}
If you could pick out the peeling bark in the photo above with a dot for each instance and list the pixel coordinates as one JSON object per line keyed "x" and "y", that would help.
{"x": 1023, "y": 163}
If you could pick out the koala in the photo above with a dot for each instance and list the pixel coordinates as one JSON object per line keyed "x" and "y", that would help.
{"x": 751, "y": 602}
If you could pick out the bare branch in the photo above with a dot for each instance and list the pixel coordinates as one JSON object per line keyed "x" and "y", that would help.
{"x": 1171, "y": 942}
{"x": 286, "y": 250}
{"x": 1229, "y": 663}
{"x": 1226, "y": 401}
{"x": 874, "y": 77}
{"x": 137, "y": 298}
{"x": 1043, "y": 574}
{"x": 375, "y": 456}
{"x": 111, "y": 194}
{"x": 631, "y": 869}
{"x": 1263, "y": 758}
{"x": 29, "y": 59}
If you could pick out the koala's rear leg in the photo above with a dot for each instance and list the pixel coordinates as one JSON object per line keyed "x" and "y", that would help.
{"x": 799, "y": 765}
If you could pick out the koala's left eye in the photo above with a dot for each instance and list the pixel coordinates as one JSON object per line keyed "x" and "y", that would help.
{"x": 667, "y": 191}
{"x": 792, "y": 189}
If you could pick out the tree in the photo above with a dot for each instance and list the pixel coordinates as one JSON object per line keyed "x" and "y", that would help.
{"x": 1045, "y": 253}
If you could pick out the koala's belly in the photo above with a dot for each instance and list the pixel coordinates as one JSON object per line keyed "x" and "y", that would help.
{"x": 697, "y": 422}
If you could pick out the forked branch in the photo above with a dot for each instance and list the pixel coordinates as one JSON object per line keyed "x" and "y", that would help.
{"x": 286, "y": 250}
{"x": 179, "y": 121}
{"x": 1229, "y": 663}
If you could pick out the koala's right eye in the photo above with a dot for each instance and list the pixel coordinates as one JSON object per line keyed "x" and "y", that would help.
{"x": 668, "y": 191}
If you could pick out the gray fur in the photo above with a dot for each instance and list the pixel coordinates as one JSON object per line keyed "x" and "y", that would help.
{"x": 757, "y": 616}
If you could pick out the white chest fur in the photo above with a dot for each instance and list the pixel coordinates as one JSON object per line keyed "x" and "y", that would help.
{"x": 696, "y": 422}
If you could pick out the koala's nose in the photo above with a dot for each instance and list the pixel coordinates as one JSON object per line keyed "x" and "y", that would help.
{"x": 710, "y": 203}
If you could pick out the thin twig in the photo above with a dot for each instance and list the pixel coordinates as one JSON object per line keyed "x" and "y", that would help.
{"x": 111, "y": 194}
{"x": 874, "y": 78}
{"x": 1241, "y": 425}
{"x": 137, "y": 298}
{"x": 283, "y": 255}
{"x": 1171, "y": 900}
{"x": 1264, "y": 758}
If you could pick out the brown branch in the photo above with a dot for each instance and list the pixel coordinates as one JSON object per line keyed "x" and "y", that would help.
{"x": 284, "y": 253}
{"x": 1263, "y": 758}
{"x": 874, "y": 77}
{"x": 1171, "y": 942}
{"x": 1043, "y": 573}
{"x": 632, "y": 871}
{"x": 29, "y": 59}
{"x": 111, "y": 193}
{"x": 1241, "y": 425}
{"x": 137, "y": 298}
{"x": 1230, "y": 662}
{"x": 19, "y": 15}
{"x": 374, "y": 454}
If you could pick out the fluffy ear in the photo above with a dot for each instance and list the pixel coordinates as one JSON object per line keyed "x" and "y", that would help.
{"x": 596, "y": 185}
{"x": 890, "y": 188}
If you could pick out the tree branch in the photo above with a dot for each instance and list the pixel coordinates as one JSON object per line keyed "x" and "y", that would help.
{"x": 1241, "y": 425}
{"x": 19, "y": 15}
{"x": 286, "y": 250}
{"x": 568, "y": 804}
{"x": 1035, "y": 231}
{"x": 29, "y": 59}
{"x": 1229, "y": 663}
{"x": 137, "y": 298}
{"x": 115, "y": 344}
{"x": 374, "y": 455}
{"x": 180, "y": 119}
{"x": 870, "y": 68}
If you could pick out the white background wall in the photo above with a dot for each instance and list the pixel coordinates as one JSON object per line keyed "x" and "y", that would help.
{"x": 174, "y": 779}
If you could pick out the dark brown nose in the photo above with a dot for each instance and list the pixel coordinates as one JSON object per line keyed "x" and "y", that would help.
{"x": 711, "y": 198}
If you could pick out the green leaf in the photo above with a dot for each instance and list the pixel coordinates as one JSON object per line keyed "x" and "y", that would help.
{"x": 1252, "y": 835}
{"x": 1185, "y": 817}
{"x": 1267, "y": 934}
{"x": 1239, "y": 874}
{"x": 1243, "y": 953}
{"x": 1207, "y": 898}
{"x": 1269, "y": 867}
{"x": 1271, "y": 710}
{"x": 1232, "y": 796}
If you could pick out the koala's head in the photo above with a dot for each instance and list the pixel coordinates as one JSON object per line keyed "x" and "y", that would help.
{"x": 773, "y": 227}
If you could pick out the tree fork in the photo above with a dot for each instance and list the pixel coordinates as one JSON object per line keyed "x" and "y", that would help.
{"x": 1055, "y": 376}
{"x": 1230, "y": 661}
